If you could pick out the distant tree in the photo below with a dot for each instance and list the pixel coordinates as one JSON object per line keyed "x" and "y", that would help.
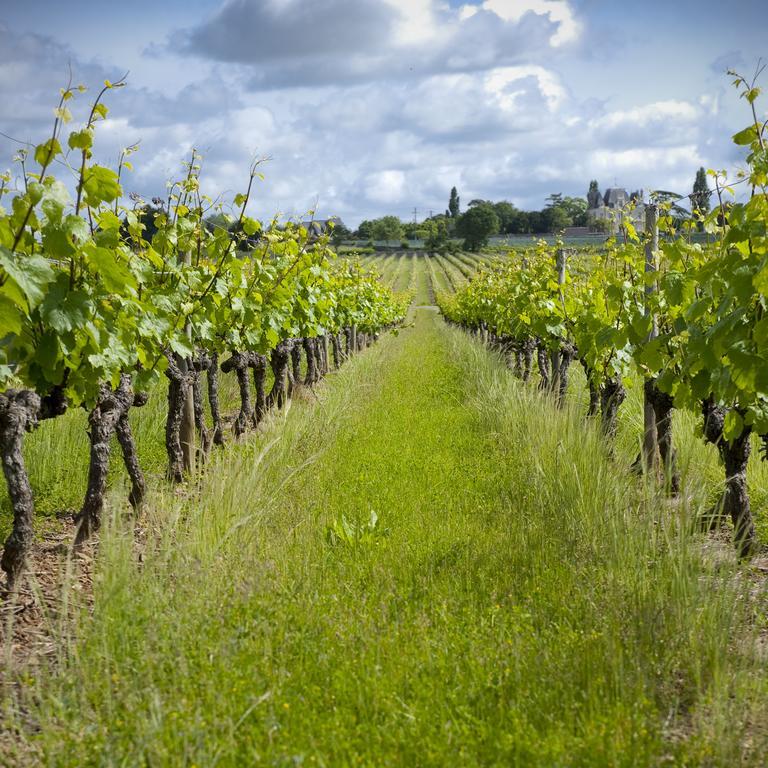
{"x": 364, "y": 230}
{"x": 599, "y": 225}
{"x": 339, "y": 233}
{"x": 387, "y": 228}
{"x": 436, "y": 233}
{"x": 555, "y": 215}
{"x": 520, "y": 223}
{"x": 576, "y": 208}
{"x": 594, "y": 198}
{"x": 454, "y": 204}
{"x": 555, "y": 218}
{"x": 555, "y": 199}
{"x": 536, "y": 222}
{"x": 476, "y": 225}
{"x": 506, "y": 213}
{"x": 700, "y": 196}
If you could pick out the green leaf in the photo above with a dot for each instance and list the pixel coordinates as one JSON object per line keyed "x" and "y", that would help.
{"x": 10, "y": 317}
{"x": 110, "y": 268}
{"x": 154, "y": 258}
{"x": 251, "y": 226}
{"x": 45, "y": 152}
{"x": 32, "y": 274}
{"x": 734, "y": 425}
{"x": 745, "y": 137}
{"x": 748, "y": 372}
{"x": 760, "y": 281}
{"x": 101, "y": 185}
{"x": 48, "y": 353}
{"x": 65, "y": 310}
{"x": 81, "y": 139}
{"x": 76, "y": 227}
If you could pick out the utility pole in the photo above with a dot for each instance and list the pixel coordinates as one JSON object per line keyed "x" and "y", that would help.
{"x": 415, "y": 214}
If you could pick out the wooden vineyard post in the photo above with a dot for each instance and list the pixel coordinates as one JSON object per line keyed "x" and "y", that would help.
{"x": 187, "y": 427}
{"x": 560, "y": 264}
{"x": 650, "y": 440}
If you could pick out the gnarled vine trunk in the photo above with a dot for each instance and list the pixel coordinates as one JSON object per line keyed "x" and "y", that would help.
{"x": 312, "y": 372}
{"x": 179, "y": 383}
{"x": 567, "y": 356}
{"x": 279, "y": 361}
{"x": 612, "y": 395}
{"x": 735, "y": 455}
{"x": 528, "y": 349}
{"x": 594, "y": 391}
{"x": 736, "y": 497}
{"x": 337, "y": 353}
{"x": 326, "y": 350}
{"x": 213, "y": 399}
{"x": 319, "y": 362}
{"x": 200, "y": 365}
{"x": 112, "y": 405}
{"x": 662, "y": 405}
{"x": 239, "y": 363}
{"x": 130, "y": 455}
{"x": 259, "y": 367}
{"x": 296, "y": 361}
{"x": 19, "y": 410}
{"x": 543, "y": 360}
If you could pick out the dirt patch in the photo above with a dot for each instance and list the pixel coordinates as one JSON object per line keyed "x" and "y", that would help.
{"x": 55, "y": 585}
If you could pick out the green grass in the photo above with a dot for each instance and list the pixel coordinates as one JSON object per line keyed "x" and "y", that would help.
{"x": 56, "y": 456}
{"x": 520, "y": 601}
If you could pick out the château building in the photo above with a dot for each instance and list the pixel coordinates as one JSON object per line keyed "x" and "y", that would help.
{"x": 615, "y": 205}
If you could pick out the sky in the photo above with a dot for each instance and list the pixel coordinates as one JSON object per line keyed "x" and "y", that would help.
{"x": 372, "y": 107}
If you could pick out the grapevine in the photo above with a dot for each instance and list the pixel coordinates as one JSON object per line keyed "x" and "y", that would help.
{"x": 101, "y": 299}
{"x": 694, "y": 326}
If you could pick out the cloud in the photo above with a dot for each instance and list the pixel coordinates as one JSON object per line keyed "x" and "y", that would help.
{"x": 293, "y": 43}
{"x": 375, "y": 107}
{"x": 245, "y": 31}
{"x": 657, "y": 123}
{"x": 385, "y": 186}
{"x": 649, "y": 116}
{"x": 558, "y": 11}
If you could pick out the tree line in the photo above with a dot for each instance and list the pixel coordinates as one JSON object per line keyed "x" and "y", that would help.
{"x": 485, "y": 218}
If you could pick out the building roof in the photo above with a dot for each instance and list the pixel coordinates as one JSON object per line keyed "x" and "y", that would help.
{"x": 320, "y": 226}
{"x": 615, "y": 197}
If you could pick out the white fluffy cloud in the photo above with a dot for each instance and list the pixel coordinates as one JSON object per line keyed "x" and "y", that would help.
{"x": 290, "y": 43}
{"x": 369, "y": 107}
{"x": 559, "y": 12}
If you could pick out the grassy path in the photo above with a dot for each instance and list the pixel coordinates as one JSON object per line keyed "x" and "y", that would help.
{"x": 515, "y": 603}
